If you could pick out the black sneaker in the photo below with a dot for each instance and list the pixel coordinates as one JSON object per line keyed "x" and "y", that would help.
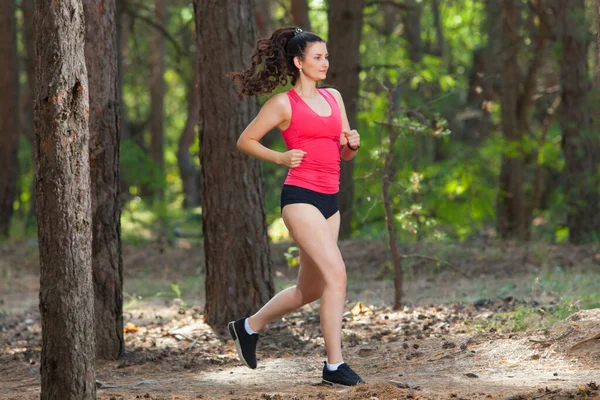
{"x": 344, "y": 375}
{"x": 244, "y": 342}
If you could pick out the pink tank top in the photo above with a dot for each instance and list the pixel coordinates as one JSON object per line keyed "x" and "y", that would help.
{"x": 319, "y": 137}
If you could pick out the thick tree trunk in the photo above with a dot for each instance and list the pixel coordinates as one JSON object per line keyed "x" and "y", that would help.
{"x": 9, "y": 113}
{"x": 101, "y": 61}
{"x": 580, "y": 143}
{"x": 64, "y": 204}
{"x": 345, "y": 26}
{"x": 264, "y": 18}
{"x": 300, "y": 14}
{"x": 238, "y": 265}
{"x": 157, "y": 93}
{"x": 187, "y": 170}
{"x": 511, "y": 207}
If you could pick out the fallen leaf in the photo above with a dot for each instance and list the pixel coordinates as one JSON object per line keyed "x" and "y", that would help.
{"x": 130, "y": 328}
{"x": 360, "y": 308}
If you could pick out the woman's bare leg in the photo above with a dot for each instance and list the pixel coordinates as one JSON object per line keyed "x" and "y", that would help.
{"x": 309, "y": 287}
{"x": 315, "y": 236}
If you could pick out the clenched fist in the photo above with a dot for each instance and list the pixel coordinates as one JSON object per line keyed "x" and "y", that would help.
{"x": 292, "y": 158}
{"x": 350, "y": 138}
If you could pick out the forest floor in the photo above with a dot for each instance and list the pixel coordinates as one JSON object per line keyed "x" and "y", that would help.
{"x": 489, "y": 321}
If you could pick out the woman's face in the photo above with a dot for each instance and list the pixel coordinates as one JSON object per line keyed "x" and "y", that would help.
{"x": 315, "y": 63}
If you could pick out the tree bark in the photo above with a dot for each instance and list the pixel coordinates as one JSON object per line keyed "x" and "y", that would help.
{"x": 264, "y": 18}
{"x": 101, "y": 53}
{"x": 187, "y": 170}
{"x": 580, "y": 143}
{"x": 300, "y": 14}
{"x": 9, "y": 113}
{"x": 411, "y": 19}
{"x": 345, "y": 26}
{"x": 238, "y": 265}
{"x": 64, "y": 204}
{"x": 157, "y": 93}
{"x": 511, "y": 207}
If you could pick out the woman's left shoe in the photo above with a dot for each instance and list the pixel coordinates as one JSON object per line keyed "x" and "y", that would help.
{"x": 344, "y": 375}
{"x": 244, "y": 342}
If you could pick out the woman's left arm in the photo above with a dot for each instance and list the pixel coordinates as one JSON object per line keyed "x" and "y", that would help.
{"x": 348, "y": 137}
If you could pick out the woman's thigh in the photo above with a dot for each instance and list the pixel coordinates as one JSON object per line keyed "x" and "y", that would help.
{"x": 320, "y": 258}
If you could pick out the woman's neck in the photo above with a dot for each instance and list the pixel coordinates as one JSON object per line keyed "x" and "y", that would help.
{"x": 306, "y": 88}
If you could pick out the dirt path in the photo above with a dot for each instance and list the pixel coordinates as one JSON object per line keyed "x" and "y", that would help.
{"x": 442, "y": 351}
{"x": 425, "y": 353}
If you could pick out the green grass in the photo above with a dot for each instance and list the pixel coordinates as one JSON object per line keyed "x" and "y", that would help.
{"x": 570, "y": 292}
{"x": 188, "y": 289}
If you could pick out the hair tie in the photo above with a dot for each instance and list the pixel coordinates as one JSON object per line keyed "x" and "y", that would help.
{"x": 297, "y": 31}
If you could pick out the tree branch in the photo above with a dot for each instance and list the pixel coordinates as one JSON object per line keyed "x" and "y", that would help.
{"x": 133, "y": 14}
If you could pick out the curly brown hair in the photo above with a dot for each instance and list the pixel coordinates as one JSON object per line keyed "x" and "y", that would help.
{"x": 273, "y": 61}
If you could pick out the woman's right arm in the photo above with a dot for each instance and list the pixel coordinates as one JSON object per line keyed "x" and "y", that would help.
{"x": 274, "y": 112}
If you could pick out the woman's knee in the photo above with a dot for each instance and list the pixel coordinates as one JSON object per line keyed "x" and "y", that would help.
{"x": 336, "y": 278}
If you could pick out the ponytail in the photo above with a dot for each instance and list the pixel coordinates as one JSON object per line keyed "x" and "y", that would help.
{"x": 273, "y": 61}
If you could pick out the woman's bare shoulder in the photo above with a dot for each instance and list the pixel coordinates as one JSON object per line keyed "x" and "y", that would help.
{"x": 278, "y": 102}
{"x": 336, "y": 93}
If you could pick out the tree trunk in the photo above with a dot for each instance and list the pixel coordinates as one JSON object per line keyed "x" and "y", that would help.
{"x": 101, "y": 61}
{"x": 580, "y": 143}
{"x": 511, "y": 207}
{"x": 64, "y": 204}
{"x": 391, "y": 18}
{"x": 388, "y": 175}
{"x": 9, "y": 113}
{"x": 411, "y": 20}
{"x": 123, "y": 30}
{"x": 187, "y": 170}
{"x": 493, "y": 47}
{"x": 300, "y": 14}
{"x": 345, "y": 26}
{"x": 238, "y": 265}
{"x": 484, "y": 79}
{"x": 157, "y": 93}
{"x": 27, "y": 94}
{"x": 264, "y": 18}
{"x": 440, "y": 41}
{"x": 597, "y": 71}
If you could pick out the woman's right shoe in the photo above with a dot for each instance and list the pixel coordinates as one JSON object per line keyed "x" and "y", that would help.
{"x": 344, "y": 375}
{"x": 244, "y": 342}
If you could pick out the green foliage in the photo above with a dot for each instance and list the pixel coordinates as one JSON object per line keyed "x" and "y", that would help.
{"x": 138, "y": 169}
{"x": 444, "y": 188}
{"x": 293, "y": 260}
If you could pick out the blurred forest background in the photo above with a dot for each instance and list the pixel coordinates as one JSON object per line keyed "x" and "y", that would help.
{"x": 496, "y": 124}
{"x": 478, "y": 176}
